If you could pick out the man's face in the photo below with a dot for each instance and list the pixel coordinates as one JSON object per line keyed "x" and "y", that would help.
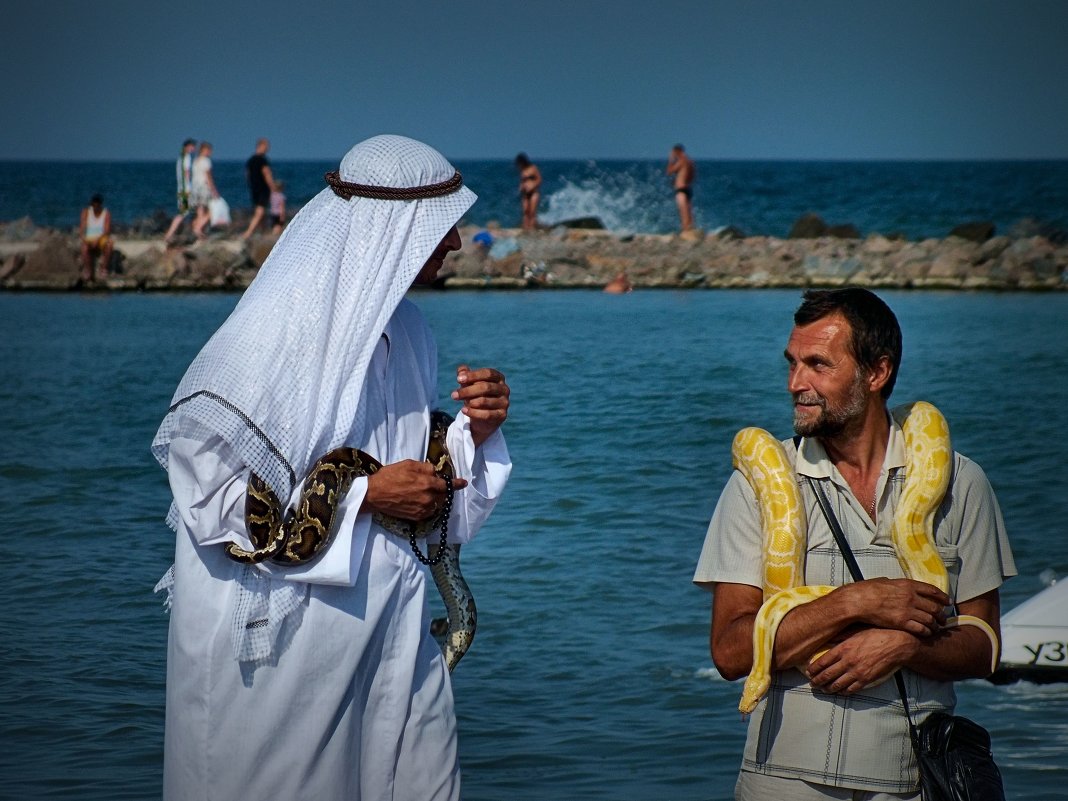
{"x": 829, "y": 389}
{"x": 437, "y": 258}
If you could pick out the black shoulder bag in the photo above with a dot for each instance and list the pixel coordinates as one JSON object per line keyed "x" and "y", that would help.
{"x": 953, "y": 752}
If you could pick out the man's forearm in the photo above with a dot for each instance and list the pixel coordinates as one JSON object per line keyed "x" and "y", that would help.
{"x": 953, "y": 654}
{"x": 881, "y": 647}
{"x": 902, "y": 605}
{"x": 806, "y": 629}
{"x": 961, "y": 651}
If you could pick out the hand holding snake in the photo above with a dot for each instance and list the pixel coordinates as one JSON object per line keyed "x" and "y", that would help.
{"x": 411, "y": 499}
{"x": 408, "y": 490}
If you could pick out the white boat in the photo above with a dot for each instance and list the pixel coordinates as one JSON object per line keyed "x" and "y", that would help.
{"x": 1034, "y": 639}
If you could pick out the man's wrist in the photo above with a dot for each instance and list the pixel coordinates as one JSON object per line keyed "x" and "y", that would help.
{"x": 846, "y": 606}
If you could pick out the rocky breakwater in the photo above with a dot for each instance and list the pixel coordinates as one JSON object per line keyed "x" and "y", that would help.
{"x": 575, "y": 257}
{"x": 45, "y": 259}
{"x": 591, "y": 258}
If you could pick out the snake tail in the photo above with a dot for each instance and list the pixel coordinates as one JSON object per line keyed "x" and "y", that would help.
{"x": 459, "y": 606}
{"x": 766, "y": 625}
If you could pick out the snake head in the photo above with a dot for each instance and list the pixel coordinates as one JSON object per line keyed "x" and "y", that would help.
{"x": 436, "y": 451}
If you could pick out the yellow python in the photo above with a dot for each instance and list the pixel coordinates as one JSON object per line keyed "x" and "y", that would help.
{"x": 763, "y": 462}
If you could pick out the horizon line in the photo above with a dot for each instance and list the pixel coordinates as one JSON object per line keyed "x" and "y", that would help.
{"x": 549, "y": 159}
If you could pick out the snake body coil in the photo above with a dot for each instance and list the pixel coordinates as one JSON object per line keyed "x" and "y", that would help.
{"x": 763, "y": 461}
{"x": 300, "y": 534}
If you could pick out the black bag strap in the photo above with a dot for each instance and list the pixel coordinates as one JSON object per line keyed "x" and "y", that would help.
{"x": 854, "y": 571}
{"x": 836, "y": 530}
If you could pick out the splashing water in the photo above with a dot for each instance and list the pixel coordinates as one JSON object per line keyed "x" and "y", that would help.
{"x": 637, "y": 197}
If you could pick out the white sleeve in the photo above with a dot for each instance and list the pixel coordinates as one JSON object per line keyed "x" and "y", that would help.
{"x": 486, "y": 470}
{"x": 209, "y": 486}
{"x": 733, "y": 550}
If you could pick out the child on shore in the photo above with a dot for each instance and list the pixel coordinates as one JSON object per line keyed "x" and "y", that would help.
{"x": 278, "y": 207}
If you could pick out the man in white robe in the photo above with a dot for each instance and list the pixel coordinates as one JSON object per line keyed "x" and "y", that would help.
{"x": 322, "y": 680}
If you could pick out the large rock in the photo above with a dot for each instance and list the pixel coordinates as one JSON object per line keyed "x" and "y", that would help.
{"x": 832, "y": 270}
{"x": 20, "y": 230}
{"x": 729, "y": 232}
{"x": 11, "y": 264}
{"x": 1035, "y": 263}
{"x": 877, "y": 244}
{"x": 1029, "y": 227}
{"x": 260, "y": 247}
{"x": 155, "y": 266}
{"x": 53, "y": 264}
{"x": 145, "y": 227}
{"x": 974, "y": 231}
{"x": 993, "y": 248}
{"x": 582, "y": 223}
{"x": 843, "y": 231}
{"x": 808, "y": 226}
{"x": 812, "y": 226}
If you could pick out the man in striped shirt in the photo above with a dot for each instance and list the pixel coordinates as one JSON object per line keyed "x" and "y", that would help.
{"x": 831, "y": 727}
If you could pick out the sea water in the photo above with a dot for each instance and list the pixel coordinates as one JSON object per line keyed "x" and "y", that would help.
{"x": 913, "y": 199}
{"x": 590, "y": 676}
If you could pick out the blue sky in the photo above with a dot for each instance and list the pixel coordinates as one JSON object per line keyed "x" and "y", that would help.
{"x": 770, "y": 79}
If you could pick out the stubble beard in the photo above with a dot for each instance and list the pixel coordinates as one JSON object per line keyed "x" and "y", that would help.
{"x": 832, "y": 421}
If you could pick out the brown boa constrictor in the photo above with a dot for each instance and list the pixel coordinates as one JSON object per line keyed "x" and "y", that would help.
{"x": 298, "y": 535}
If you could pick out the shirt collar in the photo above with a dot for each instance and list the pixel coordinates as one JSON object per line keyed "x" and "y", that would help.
{"x": 812, "y": 459}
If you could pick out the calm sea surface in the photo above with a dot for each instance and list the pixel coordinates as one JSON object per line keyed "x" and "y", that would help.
{"x": 590, "y": 677}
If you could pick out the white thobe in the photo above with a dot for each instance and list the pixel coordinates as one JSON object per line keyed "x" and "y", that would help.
{"x": 357, "y": 703}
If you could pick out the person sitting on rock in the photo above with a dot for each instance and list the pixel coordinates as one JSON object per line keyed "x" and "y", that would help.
{"x": 95, "y": 231}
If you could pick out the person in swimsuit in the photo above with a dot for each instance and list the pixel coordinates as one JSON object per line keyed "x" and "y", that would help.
{"x": 681, "y": 166}
{"x": 529, "y": 190}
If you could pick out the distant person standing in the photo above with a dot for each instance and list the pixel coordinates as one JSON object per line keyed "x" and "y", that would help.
{"x": 681, "y": 166}
{"x": 95, "y": 232}
{"x": 529, "y": 190}
{"x": 203, "y": 189}
{"x": 260, "y": 184}
{"x": 278, "y": 207}
{"x": 184, "y": 176}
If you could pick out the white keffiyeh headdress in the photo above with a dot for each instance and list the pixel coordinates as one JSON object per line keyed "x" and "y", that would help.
{"x": 281, "y": 379}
